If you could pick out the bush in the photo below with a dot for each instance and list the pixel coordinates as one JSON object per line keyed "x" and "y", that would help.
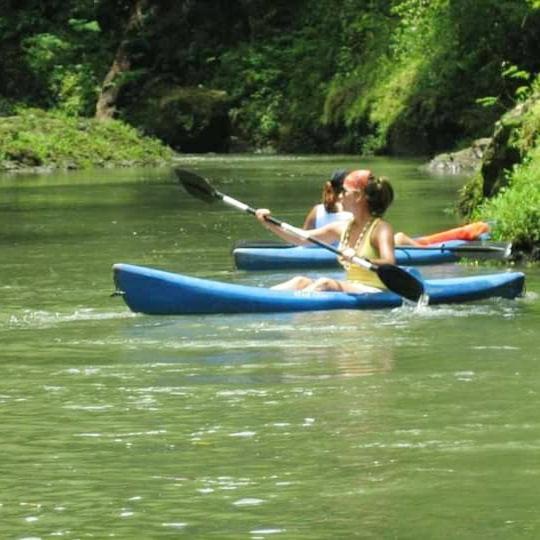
{"x": 515, "y": 211}
{"x": 62, "y": 65}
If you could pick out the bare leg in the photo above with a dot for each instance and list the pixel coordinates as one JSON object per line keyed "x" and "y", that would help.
{"x": 302, "y": 283}
{"x": 324, "y": 284}
{"x": 401, "y": 239}
{"x": 297, "y": 283}
{"x": 328, "y": 284}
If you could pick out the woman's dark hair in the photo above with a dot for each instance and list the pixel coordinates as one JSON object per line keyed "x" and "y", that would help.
{"x": 332, "y": 190}
{"x": 379, "y": 195}
{"x": 337, "y": 179}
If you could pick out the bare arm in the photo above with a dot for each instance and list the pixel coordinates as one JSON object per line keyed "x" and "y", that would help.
{"x": 383, "y": 241}
{"x": 329, "y": 233}
{"x": 309, "y": 222}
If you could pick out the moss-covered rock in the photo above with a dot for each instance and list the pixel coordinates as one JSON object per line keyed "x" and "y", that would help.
{"x": 470, "y": 195}
{"x": 187, "y": 119}
{"x": 506, "y": 191}
{"x": 513, "y": 137}
{"x": 462, "y": 161}
{"x": 35, "y": 139}
{"x": 502, "y": 153}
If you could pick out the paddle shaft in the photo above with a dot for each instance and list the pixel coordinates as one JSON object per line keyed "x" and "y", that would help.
{"x": 300, "y": 233}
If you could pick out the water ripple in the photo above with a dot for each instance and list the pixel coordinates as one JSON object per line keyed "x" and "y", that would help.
{"x": 45, "y": 319}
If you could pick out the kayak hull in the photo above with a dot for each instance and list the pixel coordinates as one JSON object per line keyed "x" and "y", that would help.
{"x": 156, "y": 292}
{"x": 299, "y": 257}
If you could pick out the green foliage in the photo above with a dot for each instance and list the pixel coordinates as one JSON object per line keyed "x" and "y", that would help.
{"x": 471, "y": 195}
{"x": 256, "y": 85}
{"x": 35, "y": 137}
{"x": 530, "y": 129}
{"x": 439, "y": 57}
{"x": 7, "y": 107}
{"x": 317, "y": 75}
{"x": 360, "y": 63}
{"x": 392, "y": 71}
{"x": 279, "y": 83}
{"x": 488, "y": 101}
{"x": 42, "y": 50}
{"x": 72, "y": 87}
{"x": 63, "y": 52}
{"x": 521, "y": 93}
{"x": 516, "y": 209}
{"x": 513, "y": 72}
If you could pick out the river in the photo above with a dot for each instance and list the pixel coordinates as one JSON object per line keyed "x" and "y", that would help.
{"x": 390, "y": 424}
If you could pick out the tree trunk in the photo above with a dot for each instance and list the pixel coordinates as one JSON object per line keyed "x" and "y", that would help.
{"x": 110, "y": 89}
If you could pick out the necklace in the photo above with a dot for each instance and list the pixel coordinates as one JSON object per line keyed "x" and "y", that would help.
{"x": 359, "y": 240}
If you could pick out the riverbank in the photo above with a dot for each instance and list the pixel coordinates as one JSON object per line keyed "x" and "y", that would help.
{"x": 38, "y": 140}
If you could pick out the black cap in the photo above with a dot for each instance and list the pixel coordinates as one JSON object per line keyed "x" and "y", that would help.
{"x": 337, "y": 179}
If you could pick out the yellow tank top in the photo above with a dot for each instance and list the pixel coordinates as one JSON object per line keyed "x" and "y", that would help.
{"x": 365, "y": 249}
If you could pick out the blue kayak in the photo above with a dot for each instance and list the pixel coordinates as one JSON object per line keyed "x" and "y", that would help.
{"x": 155, "y": 292}
{"x": 300, "y": 257}
{"x": 442, "y": 247}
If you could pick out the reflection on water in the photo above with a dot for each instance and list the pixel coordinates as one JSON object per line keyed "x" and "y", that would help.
{"x": 399, "y": 423}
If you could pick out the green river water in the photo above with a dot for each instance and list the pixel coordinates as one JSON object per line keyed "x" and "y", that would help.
{"x": 398, "y": 424}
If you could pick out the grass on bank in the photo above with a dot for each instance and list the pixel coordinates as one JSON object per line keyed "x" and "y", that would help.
{"x": 36, "y": 138}
{"x": 516, "y": 208}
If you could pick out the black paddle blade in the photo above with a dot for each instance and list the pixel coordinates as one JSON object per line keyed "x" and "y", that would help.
{"x": 400, "y": 281}
{"x": 197, "y": 186}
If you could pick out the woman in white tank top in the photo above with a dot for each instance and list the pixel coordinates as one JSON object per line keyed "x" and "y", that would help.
{"x": 330, "y": 209}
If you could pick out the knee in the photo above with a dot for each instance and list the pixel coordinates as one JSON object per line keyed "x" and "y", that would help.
{"x": 399, "y": 239}
{"x": 323, "y": 284}
{"x": 300, "y": 282}
{"x": 295, "y": 284}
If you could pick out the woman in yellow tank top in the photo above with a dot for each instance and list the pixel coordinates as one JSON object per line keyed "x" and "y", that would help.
{"x": 366, "y": 235}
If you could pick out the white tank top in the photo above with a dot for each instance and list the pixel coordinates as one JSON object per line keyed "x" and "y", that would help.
{"x": 322, "y": 217}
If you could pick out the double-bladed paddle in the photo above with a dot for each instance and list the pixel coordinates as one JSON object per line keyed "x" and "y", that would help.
{"x": 482, "y": 250}
{"x": 395, "y": 278}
